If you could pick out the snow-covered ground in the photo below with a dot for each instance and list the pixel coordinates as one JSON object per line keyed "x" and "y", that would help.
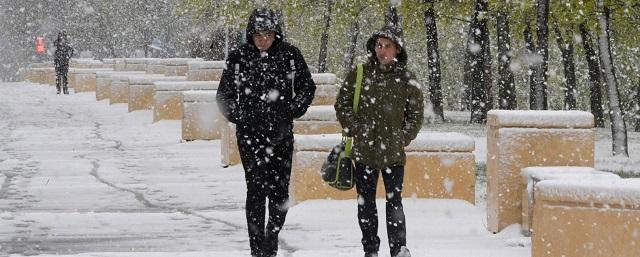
{"x": 85, "y": 178}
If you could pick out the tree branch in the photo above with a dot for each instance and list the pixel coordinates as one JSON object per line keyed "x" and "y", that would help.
{"x": 453, "y": 18}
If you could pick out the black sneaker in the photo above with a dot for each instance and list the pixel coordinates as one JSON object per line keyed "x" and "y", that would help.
{"x": 370, "y": 254}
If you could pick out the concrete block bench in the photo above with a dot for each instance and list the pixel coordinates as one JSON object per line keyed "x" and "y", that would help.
{"x": 85, "y": 63}
{"x": 439, "y": 165}
{"x": 109, "y": 63}
{"x": 201, "y": 119}
{"x": 586, "y": 218}
{"x": 532, "y": 175}
{"x": 167, "y": 99}
{"x": 318, "y": 120}
{"x": 142, "y": 90}
{"x": 177, "y": 66}
{"x": 46, "y": 75}
{"x": 229, "y": 154}
{"x": 119, "y": 64}
{"x": 103, "y": 82}
{"x": 155, "y": 66}
{"x": 120, "y": 87}
{"x": 519, "y": 139}
{"x": 84, "y": 79}
{"x": 35, "y": 71}
{"x": 136, "y": 64}
{"x": 40, "y": 65}
{"x": 205, "y": 70}
{"x": 327, "y": 87}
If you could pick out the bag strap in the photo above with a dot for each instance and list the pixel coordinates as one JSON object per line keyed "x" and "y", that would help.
{"x": 356, "y": 95}
{"x": 356, "y": 102}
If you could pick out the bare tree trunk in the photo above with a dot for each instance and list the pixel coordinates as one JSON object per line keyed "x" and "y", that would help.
{"x": 476, "y": 47}
{"x": 543, "y": 52}
{"x": 465, "y": 102}
{"x": 594, "y": 77}
{"x": 487, "y": 75}
{"x": 391, "y": 16}
{"x": 595, "y": 85}
{"x": 433, "y": 60}
{"x": 351, "y": 52}
{"x": 618, "y": 127}
{"x": 637, "y": 107}
{"x": 324, "y": 39}
{"x": 566, "y": 48}
{"x": 506, "y": 84}
{"x": 531, "y": 49}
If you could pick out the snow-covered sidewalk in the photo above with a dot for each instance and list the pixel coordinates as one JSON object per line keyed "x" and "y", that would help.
{"x": 85, "y": 178}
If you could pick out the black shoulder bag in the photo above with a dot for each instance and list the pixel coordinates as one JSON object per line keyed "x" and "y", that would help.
{"x": 338, "y": 169}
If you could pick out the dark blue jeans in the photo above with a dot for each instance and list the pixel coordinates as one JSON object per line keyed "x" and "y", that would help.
{"x": 366, "y": 183}
{"x": 267, "y": 166}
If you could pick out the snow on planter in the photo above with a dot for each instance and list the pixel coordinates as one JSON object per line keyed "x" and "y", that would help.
{"x": 136, "y": 64}
{"x": 142, "y": 90}
{"x": 84, "y": 80}
{"x": 85, "y": 63}
{"x": 103, "y": 82}
{"x": 518, "y": 139}
{"x": 587, "y": 217}
{"x": 204, "y": 70}
{"x": 167, "y": 98}
{"x": 42, "y": 75}
{"x": 327, "y": 87}
{"x": 229, "y": 154}
{"x": 439, "y": 165}
{"x": 318, "y": 120}
{"x": 119, "y": 88}
{"x": 177, "y": 66}
{"x": 201, "y": 119}
{"x": 532, "y": 175}
{"x": 155, "y": 66}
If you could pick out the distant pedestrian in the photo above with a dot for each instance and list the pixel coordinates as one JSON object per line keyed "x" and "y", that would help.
{"x": 265, "y": 85}
{"x": 389, "y": 116}
{"x": 63, "y": 53}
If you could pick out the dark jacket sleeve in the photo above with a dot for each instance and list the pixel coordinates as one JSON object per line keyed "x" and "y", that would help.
{"x": 413, "y": 112}
{"x": 227, "y": 94}
{"x": 344, "y": 104}
{"x": 303, "y": 86}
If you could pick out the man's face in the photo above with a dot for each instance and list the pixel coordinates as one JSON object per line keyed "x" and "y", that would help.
{"x": 386, "y": 51}
{"x": 264, "y": 39}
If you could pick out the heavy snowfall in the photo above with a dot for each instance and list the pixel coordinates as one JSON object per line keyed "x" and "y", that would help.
{"x": 87, "y": 178}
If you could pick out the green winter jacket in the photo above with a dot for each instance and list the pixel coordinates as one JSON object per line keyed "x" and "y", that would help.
{"x": 389, "y": 115}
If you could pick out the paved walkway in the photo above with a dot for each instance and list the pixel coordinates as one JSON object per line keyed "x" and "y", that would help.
{"x": 79, "y": 175}
{"x": 85, "y": 178}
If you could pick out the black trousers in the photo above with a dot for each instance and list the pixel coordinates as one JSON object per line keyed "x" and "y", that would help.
{"x": 366, "y": 183}
{"x": 61, "y": 78}
{"x": 267, "y": 166}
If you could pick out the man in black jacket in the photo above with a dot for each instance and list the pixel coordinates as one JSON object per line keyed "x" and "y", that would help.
{"x": 265, "y": 85}
{"x": 61, "y": 60}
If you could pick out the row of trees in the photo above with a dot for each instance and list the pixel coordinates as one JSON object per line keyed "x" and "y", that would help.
{"x": 544, "y": 54}
{"x": 595, "y": 46}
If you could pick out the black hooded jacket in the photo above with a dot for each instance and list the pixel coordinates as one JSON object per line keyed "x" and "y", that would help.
{"x": 63, "y": 52}
{"x": 264, "y": 92}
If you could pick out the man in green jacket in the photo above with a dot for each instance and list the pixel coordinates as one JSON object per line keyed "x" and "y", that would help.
{"x": 389, "y": 116}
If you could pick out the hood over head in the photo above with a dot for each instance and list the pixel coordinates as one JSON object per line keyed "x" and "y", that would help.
{"x": 263, "y": 20}
{"x": 394, "y": 33}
